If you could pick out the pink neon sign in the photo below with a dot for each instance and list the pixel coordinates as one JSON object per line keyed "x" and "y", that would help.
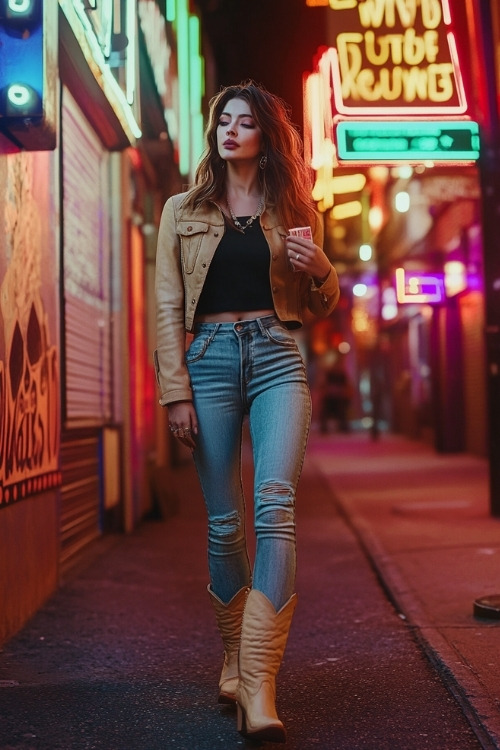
{"x": 418, "y": 287}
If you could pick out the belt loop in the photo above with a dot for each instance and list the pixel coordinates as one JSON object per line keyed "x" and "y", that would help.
{"x": 267, "y": 322}
{"x": 214, "y": 331}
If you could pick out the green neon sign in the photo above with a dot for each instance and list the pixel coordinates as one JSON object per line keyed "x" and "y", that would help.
{"x": 408, "y": 141}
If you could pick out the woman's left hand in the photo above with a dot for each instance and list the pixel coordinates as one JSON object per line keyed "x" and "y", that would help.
{"x": 307, "y": 257}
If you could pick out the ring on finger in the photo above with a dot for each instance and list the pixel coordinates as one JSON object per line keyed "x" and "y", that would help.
{"x": 297, "y": 257}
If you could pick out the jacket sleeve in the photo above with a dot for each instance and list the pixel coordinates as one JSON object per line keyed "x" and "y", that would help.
{"x": 169, "y": 357}
{"x": 322, "y": 299}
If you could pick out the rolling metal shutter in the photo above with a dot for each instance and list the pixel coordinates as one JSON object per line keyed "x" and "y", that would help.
{"x": 86, "y": 264}
{"x": 86, "y": 331}
{"x": 80, "y": 515}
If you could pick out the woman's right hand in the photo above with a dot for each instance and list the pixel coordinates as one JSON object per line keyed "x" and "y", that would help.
{"x": 183, "y": 422}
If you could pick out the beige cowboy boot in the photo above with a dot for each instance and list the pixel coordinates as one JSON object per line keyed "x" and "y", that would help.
{"x": 263, "y": 639}
{"x": 229, "y": 617}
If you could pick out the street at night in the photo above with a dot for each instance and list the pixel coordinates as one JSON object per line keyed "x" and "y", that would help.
{"x": 126, "y": 656}
{"x": 275, "y": 216}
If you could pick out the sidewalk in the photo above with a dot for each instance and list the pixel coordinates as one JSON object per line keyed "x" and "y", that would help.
{"x": 126, "y": 655}
{"x": 424, "y": 521}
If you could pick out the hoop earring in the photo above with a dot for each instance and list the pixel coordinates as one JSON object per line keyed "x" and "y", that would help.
{"x": 263, "y": 161}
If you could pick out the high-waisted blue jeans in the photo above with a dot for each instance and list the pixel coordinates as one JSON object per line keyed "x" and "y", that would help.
{"x": 252, "y": 367}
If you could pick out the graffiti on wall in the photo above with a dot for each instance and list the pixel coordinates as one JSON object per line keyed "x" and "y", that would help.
{"x": 29, "y": 363}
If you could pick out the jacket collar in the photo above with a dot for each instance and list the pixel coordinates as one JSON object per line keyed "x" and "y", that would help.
{"x": 211, "y": 213}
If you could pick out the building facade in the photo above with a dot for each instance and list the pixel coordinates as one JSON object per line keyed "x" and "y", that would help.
{"x": 93, "y": 139}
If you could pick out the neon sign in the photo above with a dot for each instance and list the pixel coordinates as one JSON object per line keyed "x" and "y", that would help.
{"x": 392, "y": 59}
{"x": 412, "y": 141}
{"x": 395, "y": 55}
{"x": 413, "y": 287}
{"x": 92, "y": 27}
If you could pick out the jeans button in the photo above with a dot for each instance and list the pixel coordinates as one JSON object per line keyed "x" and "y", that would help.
{"x": 239, "y": 327}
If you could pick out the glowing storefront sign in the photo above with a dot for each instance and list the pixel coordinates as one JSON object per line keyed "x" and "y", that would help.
{"x": 391, "y": 60}
{"x": 413, "y": 287}
{"x": 412, "y": 141}
{"x": 395, "y": 56}
{"x": 163, "y": 62}
{"x": 92, "y": 28}
{"x": 179, "y": 73}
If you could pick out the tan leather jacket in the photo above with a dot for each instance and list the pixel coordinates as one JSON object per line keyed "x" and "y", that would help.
{"x": 187, "y": 241}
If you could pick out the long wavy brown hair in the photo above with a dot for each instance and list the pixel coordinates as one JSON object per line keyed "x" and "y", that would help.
{"x": 285, "y": 180}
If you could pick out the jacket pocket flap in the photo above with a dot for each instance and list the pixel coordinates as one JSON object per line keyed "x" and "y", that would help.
{"x": 189, "y": 228}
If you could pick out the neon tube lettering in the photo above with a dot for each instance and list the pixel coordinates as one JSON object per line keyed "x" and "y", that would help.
{"x": 373, "y": 13}
{"x": 398, "y": 48}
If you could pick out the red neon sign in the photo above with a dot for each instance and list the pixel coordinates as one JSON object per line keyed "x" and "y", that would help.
{"x": 394, "y": 58}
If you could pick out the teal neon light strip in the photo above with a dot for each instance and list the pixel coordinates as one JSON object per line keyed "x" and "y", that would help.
{"x": 194, "y": 64}
{"x": 184, "y": 86}
{"x": 408, "y": 141}
{"x": 196, "y": 80}
{"x": 170, "y": 11}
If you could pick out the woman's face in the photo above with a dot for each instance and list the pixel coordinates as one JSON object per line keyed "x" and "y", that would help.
{"x": 238, "y": 135}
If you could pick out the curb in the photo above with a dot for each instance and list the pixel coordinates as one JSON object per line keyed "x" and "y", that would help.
{"x": 465, "y": 686}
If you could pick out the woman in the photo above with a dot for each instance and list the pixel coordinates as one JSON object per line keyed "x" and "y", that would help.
{"x": 228, "y": 271}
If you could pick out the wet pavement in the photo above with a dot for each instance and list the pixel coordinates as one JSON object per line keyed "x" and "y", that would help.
{"x": 126, "y": 655}
{"x": 425, "y": 523}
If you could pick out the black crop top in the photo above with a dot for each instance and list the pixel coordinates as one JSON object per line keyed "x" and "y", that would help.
{"x": 238, "y": 277}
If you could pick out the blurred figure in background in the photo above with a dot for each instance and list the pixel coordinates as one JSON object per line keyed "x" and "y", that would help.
{"x": 334, "y": 394}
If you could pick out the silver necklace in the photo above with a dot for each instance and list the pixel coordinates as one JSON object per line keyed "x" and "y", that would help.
{"x": 249, "y": 221}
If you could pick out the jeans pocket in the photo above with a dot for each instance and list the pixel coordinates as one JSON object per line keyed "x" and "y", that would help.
{"x": 197, "y": 347}
{"x": 280, "y": 335}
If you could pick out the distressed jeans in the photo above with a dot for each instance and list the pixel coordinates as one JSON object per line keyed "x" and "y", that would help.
{"x": 252, "y": 368}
